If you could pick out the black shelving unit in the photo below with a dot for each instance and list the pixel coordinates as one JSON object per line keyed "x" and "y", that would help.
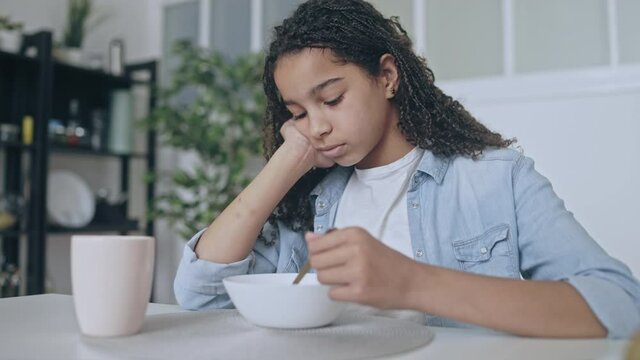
{"x": 15, "y": 144}
{"x": 12, "y": 233}
{"x": 121, "y": 227}
{"x": 56, "y": 149}
{"x": 40, "y": 86}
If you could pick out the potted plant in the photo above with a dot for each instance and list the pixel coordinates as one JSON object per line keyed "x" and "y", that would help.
{"x": 10, "y": 34}
{"x": 76, "y": 28}
{"x": 213, "y": 108}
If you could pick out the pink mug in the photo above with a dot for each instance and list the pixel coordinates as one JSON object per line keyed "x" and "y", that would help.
{"x": 111, "y": 282}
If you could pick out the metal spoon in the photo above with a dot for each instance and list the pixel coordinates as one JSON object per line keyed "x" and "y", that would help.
{"x": 306, "y": 266}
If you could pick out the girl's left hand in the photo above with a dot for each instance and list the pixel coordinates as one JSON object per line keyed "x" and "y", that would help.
{"x": 360, "y": 268}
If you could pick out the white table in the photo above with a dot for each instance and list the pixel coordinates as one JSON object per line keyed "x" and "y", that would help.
{"x": 44, "y": 327}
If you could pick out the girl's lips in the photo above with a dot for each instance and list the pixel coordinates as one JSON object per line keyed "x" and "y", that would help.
{"x": 334, "y": 152}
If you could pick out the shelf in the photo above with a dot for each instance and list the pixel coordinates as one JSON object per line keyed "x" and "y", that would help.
{"x": 64, "y": 71}
{"x": 43, "y": 86}
{"x": 129, "y": 225}
{"x": 12, "y": 233}
{"x": 15, "y": 144}
{"x": 11, "y": 58}
{"x": 61, "y": 149}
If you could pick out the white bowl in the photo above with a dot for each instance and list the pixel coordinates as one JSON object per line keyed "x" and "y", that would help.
{"x": 271, "y": 300}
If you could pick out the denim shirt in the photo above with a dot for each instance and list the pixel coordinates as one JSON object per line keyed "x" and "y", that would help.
{"x": 495, "y": 216}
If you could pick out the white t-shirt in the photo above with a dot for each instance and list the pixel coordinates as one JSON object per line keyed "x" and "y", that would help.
{"x": 376, "y": 200}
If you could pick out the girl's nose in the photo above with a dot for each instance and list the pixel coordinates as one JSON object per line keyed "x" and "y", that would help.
{"x": 319, "y": 126}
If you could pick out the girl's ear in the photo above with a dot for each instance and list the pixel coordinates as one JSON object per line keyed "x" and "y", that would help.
{"x": 389, "y": 75}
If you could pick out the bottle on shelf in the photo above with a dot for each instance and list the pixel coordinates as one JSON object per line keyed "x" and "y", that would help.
{"x": 76, "y": 134}
{"x": 72, "y": 123}
{"x": 9, "y": 132}
{"x": 9, "y": 280}
{"x": 120, "y": 131}
{"x": 97, "y": 131}
{"x": 27, "y": 130}
{"x": 116, "y": 57}
{"x": 57, "y": 132}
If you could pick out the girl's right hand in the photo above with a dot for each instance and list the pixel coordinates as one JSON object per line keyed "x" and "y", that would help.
{"x": 301, "y": 145}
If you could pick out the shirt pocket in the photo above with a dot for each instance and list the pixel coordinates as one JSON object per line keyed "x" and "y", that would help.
{"x": 487, "y": 254}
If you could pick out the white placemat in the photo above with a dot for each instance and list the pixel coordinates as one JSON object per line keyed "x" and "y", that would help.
{"x": 227, "y": 335}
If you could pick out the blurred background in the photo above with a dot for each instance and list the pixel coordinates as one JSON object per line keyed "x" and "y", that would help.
{"x": 89, "y": 144}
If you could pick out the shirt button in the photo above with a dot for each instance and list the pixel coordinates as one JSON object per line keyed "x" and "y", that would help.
{"x": 419, "y": 253}
{"x": 415, "y": 205}
{"x": 483, "y": 250}
{"x": 319, "y": 227}
{"x": 321, "y": 204}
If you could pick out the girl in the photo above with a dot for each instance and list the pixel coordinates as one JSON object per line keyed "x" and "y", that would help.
{"x": 434, "y": 213}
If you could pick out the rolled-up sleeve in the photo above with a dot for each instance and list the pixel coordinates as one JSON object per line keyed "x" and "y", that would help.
{"x": 613, "y": 306}
{"x": 198, "y": 283}
{"x": 554, "y": 246}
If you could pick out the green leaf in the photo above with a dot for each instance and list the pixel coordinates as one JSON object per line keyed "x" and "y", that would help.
{"x": 213, "y": 107}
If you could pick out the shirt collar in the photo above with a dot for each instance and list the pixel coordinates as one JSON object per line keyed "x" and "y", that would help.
{"x": 434, "y": 166}
{"x": 334, "y": 182}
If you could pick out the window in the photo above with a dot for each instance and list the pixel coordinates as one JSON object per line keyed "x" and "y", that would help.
{"x": 560, "y": 34}
{"x": 628, "y": 30}
{"x": 464, "y": 38}
{"x": 230, "y": 26}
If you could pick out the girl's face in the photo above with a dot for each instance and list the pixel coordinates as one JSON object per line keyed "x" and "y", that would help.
{"x": 346, "y": 114}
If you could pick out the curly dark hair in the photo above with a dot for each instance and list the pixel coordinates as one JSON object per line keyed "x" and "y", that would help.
{"x": 357, "y": 33}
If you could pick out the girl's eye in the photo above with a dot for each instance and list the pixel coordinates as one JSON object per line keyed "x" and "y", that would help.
{"x": 335, "y": 101}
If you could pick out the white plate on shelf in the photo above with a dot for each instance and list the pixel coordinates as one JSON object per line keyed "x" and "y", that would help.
{"x": 70, "y": 201}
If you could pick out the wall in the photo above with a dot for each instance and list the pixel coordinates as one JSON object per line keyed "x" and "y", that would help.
{"x": 135, "y": 21}
{"x": 35, "y": 15}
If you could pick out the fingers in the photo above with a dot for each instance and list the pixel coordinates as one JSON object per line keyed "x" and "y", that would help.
{"x": 344, "y": 293}
{"x": 337, "y": 257}
{"x": 284, "y": 127}
{"x": 325, "y": 250}
{"x": 291, "y": 133}
{"x": 355, "y": 265}
{"x": 317, "y": 243}
{"x": 331, "y": 258}
{"x": 336, "y": 275}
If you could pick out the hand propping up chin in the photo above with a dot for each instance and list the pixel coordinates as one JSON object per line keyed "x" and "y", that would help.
{"x": 301, "y": 145}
